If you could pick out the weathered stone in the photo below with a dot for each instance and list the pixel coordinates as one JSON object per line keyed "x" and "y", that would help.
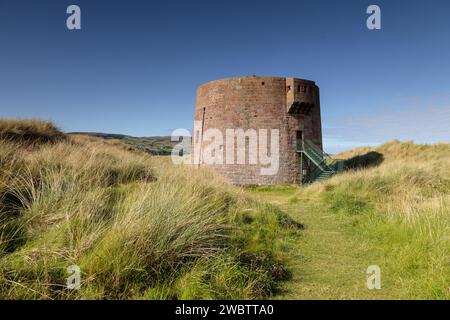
{"x": 286, "y": 104}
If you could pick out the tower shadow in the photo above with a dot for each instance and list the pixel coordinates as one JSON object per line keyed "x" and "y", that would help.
{"x": 368, "y": 160}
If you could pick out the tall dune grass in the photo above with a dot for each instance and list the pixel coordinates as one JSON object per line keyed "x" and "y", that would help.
{"x": 137, "y": 226}
{"x": 403, "y": 207}
{"x": 29, "y": 131}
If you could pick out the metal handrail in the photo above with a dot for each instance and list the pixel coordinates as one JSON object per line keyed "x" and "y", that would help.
{"x": 327, "y": 161}
{"x": 315, "y": 148}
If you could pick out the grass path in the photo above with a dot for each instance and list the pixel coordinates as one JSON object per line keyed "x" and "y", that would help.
{"x": 329, "y": 260}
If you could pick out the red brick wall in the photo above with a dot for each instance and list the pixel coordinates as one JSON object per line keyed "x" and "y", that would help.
{"x": 260, "y": 103}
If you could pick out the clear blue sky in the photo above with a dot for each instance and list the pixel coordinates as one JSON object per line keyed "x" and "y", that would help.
{"x": 135, "y": 65}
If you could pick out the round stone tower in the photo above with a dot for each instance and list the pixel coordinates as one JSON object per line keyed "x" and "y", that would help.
{"x": 250, "y": 129}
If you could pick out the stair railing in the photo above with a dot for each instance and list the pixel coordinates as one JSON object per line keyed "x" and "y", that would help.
{"x": 325, "y": 162}
{"x": 312, "y": 174}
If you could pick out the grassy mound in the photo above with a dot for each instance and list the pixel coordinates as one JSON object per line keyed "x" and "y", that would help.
{"x": 401, "y": 206}
{"x": 136, "y": 226}
{"x": 29, "y": 131}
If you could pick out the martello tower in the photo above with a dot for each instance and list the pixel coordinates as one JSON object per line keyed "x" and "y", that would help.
{"x": 289, "y": 105}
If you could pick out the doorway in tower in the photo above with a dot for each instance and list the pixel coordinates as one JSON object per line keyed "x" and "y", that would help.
{"x": 304, "y": 162}
{"x": 299, "y": 140}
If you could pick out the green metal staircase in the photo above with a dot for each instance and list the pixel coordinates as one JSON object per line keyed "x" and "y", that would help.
{"x": 324, "y": 166}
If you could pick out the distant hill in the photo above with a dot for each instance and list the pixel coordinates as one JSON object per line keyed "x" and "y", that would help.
{"x": 158, "y": 145}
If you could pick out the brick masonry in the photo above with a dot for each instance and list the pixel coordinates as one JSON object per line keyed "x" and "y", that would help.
{"x": 261, "y": 103}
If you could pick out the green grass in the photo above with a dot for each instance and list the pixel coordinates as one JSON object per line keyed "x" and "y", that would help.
{"x": 137, "y": 226}
{"x": 141, "y": 228}
{"x": 395, "y": 215}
